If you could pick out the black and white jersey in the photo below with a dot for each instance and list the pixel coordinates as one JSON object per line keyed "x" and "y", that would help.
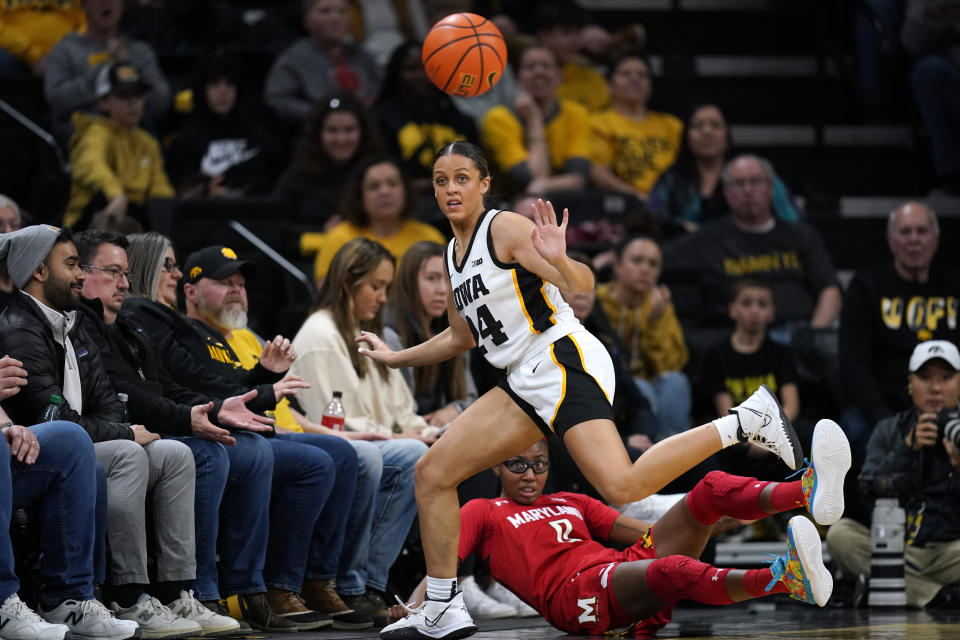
{"x": 512, "y": 313}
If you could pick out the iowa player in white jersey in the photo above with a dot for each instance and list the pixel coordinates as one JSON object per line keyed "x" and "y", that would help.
{"x": 505, "y": 271}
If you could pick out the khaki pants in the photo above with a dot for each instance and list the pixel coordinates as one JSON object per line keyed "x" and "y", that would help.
{"x": 927, "y": 568}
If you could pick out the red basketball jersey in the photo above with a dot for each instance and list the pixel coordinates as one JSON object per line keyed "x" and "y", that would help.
{"x": 533, "y": 550}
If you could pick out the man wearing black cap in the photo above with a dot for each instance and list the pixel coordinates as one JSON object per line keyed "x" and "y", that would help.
{"x": 116, "y": 164}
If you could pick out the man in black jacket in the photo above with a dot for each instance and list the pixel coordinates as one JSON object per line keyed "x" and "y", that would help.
{"x": 888, "y": 309}
{"x": 913, "y": 452}
{"x": 38, "y": 328}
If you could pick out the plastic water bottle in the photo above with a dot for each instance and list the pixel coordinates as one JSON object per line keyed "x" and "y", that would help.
{"x": 887, "y": 585}
{"x": 124, "y": 412}
{"x": 52, "y": 412}
{"x": 333, "y": 415}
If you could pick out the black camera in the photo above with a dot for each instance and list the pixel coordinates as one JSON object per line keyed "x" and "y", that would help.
{"x": 875, "y": 485}
{"x": 948, "y": 425}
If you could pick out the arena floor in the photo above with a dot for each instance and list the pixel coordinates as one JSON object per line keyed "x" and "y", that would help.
{"x": 766, "y": 621}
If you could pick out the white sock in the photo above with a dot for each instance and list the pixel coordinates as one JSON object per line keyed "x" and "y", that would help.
{"x": 441, "y": 588}
{"x": 727, "y": 427}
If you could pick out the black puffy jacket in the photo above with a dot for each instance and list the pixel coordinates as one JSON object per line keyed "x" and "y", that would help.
{"x": 26, "y": 335}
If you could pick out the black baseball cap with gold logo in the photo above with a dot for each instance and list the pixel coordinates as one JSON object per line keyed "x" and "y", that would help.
{"x": 120, "y": 77}
{"x": 216, "y": 262}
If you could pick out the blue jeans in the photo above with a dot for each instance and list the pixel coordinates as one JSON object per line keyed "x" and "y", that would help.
{"x": 936, "y": 89}
{"x": 244, "y": 520}
{"x": 670, "y": 401}
{"x": 383, "y": 509}
{"x": 213, "y": 467}
{"x": 328, "y": 534}
{"x": 61, "y": 486}
{"x": 879, "y": 60}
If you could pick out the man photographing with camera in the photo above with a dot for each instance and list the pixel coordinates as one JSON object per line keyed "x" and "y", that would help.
{"x": 915, "y": 455}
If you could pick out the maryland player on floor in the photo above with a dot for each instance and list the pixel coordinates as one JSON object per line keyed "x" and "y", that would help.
{"x": 505, "y": 272}
{"x": 545, "y": 548}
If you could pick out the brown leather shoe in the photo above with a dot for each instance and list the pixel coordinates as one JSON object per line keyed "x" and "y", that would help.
{"x": 374, "y": 606}
{"x": 288, "y": 607}
{"x": 322, "y": 596}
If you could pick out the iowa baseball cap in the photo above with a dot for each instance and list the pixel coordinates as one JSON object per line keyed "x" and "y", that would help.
{"x": 216, "y": 262}
{"x": 119, "y": 77}
{"x": 932, "y": 350}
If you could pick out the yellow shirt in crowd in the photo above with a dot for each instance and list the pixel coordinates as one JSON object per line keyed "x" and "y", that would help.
{"x": 112, "y": 160}
{"x": 655, "y": 346}
{"x": 636, "y": 151}
{"x": 30, "y": 28}
{"x": 410, "y": 233}
{"x": 567, "y": 136}
{"x": 248, "y": 348}
{"x": 585, "y": 86}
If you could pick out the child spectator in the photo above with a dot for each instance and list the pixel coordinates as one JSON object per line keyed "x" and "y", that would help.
{"x": 315, "y": 66}
{"x": 542, "y": 143}
{"x": 690, "y": 192}
{"x": 732, "y": 369}
{"x": 644, "y": 318}
{"x": 630, "y": 144}
{"x": 221, "y": 151}
{"x": 416, "y": 311}
{"x": 72, "y": 68}
{"x": 336, "y": 137}
{"x": 116, "y": 164}
{"x": 29, "y": 30}
{"x": 378, "y": 203}
{"x": 558, "y": 26}
{"x": 417, "y": 119}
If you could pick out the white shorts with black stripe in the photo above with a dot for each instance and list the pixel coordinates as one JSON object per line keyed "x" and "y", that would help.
{"x": 568, "y": 382}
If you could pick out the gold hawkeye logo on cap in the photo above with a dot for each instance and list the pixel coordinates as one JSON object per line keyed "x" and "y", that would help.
{"x": 227, "y": 252}
{"x": 195, "y": 272}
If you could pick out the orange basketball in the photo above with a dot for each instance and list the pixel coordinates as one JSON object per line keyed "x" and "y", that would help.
{"x": 464, "y": 54}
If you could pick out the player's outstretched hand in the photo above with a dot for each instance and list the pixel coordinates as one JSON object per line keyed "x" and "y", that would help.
{"x": 549, "y": 239}
{"x": 370, "y": 345}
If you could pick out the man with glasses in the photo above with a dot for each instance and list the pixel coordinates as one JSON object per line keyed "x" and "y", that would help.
{"x": 545, "y": 547}
{"x": 751, "y": 241}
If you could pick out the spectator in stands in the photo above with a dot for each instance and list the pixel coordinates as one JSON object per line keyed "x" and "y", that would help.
{"x": 541, "y": 144}
{"x": 176, "y": 411}
{"x": 216, "y": 300}
{"x": 753, "y": 242}
{"x": 643, "y": 316}
{"x": 117, "y": 165}
{"x": 908, "y": 455}
{"x": 52, "y": 470}
{"x": 742, "y": 361}
{"x": 630, "y": 146}
{"x": 28, "y": 31}
{"x": 312, "y": 68}
{"x": 375, "y": 399}
{"x": 930, "y": 34}
{"x": 415, "y": 118}
{"x": 221, "y": 150}
{"x": 417, "y": 310}
{"x": 300, "y": 475}
{"x": 889, "y": 308}
{"x": 39, "y": 329}
{"x": 10, "y": 220}
{"x": 336, "y": 138}
{"x": 690, "y": 193}
{"x": 71, "y": 78}
{"x": 384, "y": 26}
{"x": 379, "y": 203}
{"x": 558, "y": 26}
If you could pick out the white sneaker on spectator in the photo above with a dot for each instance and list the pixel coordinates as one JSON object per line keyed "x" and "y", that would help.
{"x": 501, "y": 594}
{"x": 19, "y": 622}
{"x": 480, "y": 605}
{"x": 212, "y": 624}
{"x": 156, "y": 621}
{"x": 90, "y": 620}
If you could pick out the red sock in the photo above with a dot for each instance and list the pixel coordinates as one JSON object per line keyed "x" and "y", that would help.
{"x": 676, "y": 577}
{"x": 755, "y": 583}
{"x": 722, "y": 494}
{"x": 787, "y": 496}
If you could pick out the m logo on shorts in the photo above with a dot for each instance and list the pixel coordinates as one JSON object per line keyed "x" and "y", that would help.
{"x": 589, "y": 609}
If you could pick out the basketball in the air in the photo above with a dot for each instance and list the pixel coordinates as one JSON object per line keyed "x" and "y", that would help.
{"x": 464, "y": 54}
